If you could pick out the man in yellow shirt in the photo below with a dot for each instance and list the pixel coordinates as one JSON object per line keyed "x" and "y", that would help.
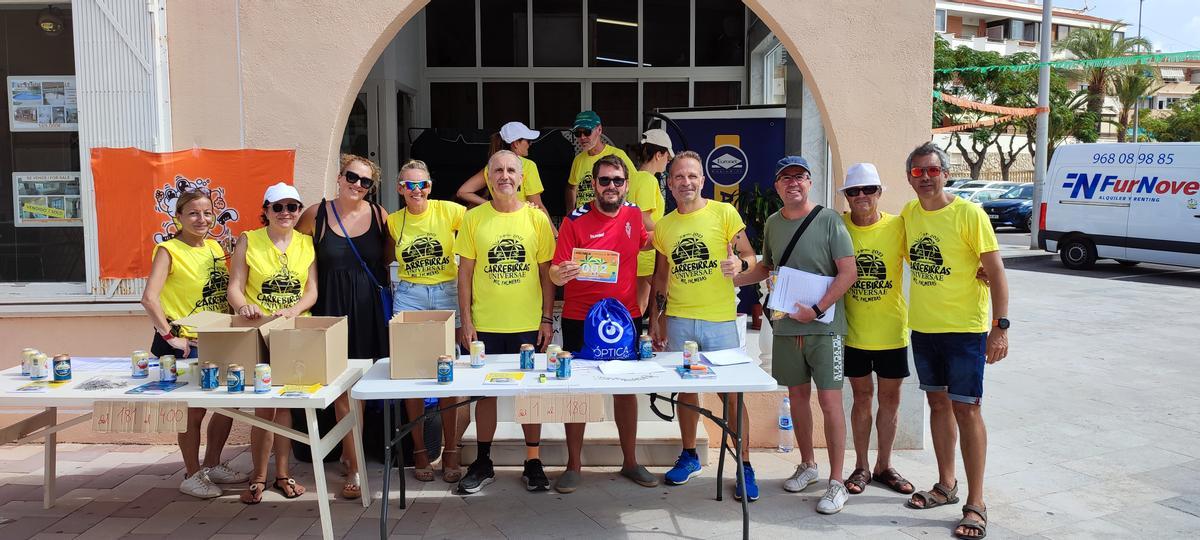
{"x": 952, "y": 335}
{"x": 590, "y": 134}
{"x": 694, "y": 293}
{"x": 505, "y": 299}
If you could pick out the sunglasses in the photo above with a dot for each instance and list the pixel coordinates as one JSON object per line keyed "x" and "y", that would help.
{"x": 582, "y": 132}
{"x": 865, "y": 190}
{"x": 789, "y": 178}
{"x": 418, "y": 185}
{"x": 915, "y": 172}
{"x": 614, "y": 180}
{"x": 290, "y": 207}
{"x": 351, "y": 178}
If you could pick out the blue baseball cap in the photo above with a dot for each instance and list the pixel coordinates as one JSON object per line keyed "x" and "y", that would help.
{"x": 791, "y": 161}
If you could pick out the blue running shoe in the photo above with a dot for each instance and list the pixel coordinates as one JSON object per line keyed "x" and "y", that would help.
{"x": 686, "y": 467}
{"x": 751, "y": 485}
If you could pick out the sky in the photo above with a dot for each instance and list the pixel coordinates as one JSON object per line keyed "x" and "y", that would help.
{"x": 1170, "y": 25}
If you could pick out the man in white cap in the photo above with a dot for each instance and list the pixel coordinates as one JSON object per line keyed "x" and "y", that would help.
{"x": 808, "y": 342}
{"x": 877, "y": 316}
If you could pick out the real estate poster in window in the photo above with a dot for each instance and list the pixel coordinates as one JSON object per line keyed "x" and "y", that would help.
{"x": 42, "y": 103}
{"x": 46, "y": 199}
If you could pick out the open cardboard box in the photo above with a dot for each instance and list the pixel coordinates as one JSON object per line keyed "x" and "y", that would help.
{"x": 311, "y": 350}
{"x": 417, "y": 339}
{"x": 232, "y": 339}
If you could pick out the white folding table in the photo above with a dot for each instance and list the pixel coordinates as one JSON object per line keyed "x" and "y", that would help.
{"x": 586, "y": 379}
{"x": 45, "y": 424}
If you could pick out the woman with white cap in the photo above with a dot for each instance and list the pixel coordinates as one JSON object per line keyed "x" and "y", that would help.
{"x": 274, "y": 272}
{"x": 654, "y": 153}
{"x": 516, "y": 137}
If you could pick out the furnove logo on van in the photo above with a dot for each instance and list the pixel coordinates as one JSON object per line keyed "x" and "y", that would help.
{"x": 1110, "y": 187}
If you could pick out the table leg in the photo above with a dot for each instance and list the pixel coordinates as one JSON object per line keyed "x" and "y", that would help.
{"x": 399, "y": 440}
{"x": 50, "y": 455}
{"x": 387, "y": 467}
{"x": 356, "y": 414}
{"x": 314, "y": 442}
{"x": 741, "y": 480}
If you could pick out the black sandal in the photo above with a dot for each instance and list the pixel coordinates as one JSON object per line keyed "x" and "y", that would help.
{"x": 254, "y": 494}
{"x": 972, "y": 524}
{"x": 949, "y": 496}
{"x": 288, "y": 484}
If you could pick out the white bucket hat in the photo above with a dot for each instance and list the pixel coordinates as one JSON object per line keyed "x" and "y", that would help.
{"x": 862, "y": 174}
{"x": 279, "y": 192}
{"x": 514, "y": 131}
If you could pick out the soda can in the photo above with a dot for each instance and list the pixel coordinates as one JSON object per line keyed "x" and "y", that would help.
{"x": 478, "y": 354}
{"x": 39, "y": 366}
{"x": 691, "y": 353}
{"x": 526, "y": 357}
{"x": 166, "y": 368}
{"x": 645, "y": 347}
{"x": 445, "y": 369}
{"x": 235, "y": 379}
{"x": 62, "y": 367}
{"x": 563, "y": 368}
{"x": 139, "y": 364}
{"x": 552, "y": 351}
{"x": 26, "y": 354}
{"x": 262, "y": 378}
{"x": 209, "y": 376}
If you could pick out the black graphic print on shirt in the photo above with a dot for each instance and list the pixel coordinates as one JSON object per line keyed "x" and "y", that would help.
{"x": 506, "y": 261}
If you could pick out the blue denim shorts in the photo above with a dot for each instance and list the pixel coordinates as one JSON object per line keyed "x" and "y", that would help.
{"x": 408, "y": 296}
{"x": 951, "y": 363}
{"x": 710, "y": 336}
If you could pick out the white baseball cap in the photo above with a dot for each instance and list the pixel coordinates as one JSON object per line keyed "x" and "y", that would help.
{"x": 514, "y": 131}
{"x": 279, "y": 192}
{"x": 862, "y": 174}
{"x": 659, "y": 137}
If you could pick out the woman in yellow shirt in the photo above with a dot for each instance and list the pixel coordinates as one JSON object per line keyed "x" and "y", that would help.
{"x": 516, "y": 137}
{"x": 274, "y": 273}
{"x": 188, "y": 275}
{"x": 655, "y": 153}
{"x": 427, "y": 278}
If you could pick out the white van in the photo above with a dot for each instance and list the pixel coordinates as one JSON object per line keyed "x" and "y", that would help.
{"x": 1129, "y": 202}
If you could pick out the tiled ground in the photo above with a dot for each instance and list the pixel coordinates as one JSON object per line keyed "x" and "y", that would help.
{"x": 1094, "y": 429}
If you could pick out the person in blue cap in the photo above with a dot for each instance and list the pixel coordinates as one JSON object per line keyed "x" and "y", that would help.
{"x": 590, "y": 136}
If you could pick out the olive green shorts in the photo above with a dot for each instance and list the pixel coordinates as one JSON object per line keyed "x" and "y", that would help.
{"x": 796, "y": 360}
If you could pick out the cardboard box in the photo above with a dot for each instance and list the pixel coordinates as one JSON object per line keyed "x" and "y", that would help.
{"x": 232, "y": 339}
{"x": 312, "y": 350}
{"x": 417, "y": 339}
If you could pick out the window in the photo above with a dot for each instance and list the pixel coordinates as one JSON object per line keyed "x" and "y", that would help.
{"x": 450, "y": 33}
{"x": 666, "y": 34}
{"x": 555, "y": 104}
{"x": 664, "y": 95}
{"x": 720, "y": 33}
{"x": 556, "y": 33}
{"x": 612, "y": 33}
{"x": 939, "y": 20}
{"x": 1062, "y": 31}
{"x": 454, "y": 105}
{"x": 717, "y": 93}
{"x": 996, "y": 30}
{"x": 616, "y": 103}
{"x": 1031, "y": 32}
{"x": 505, "y": 102}
{"x": 775, "y": 76}
{"x": 503, "y": 28}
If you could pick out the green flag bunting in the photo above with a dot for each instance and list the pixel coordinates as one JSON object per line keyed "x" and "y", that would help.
{"x": 1094, "y": 62}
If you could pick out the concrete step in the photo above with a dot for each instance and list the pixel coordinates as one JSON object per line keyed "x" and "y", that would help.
{"x": 658, "y": 444}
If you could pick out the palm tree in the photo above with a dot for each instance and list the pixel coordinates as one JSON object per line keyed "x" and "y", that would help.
{"x": 1129, "y": 85}
{"x": 1095, "y": 43}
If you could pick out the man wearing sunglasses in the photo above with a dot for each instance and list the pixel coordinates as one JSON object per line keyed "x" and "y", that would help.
{"x": 953, "y": 337}
{"x": 607, "y": 223}
{"x": 877, "y": 314}
{"x": 590, "y": 135}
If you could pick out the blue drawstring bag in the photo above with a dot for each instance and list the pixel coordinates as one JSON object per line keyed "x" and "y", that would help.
{"x": 608, "y": 333}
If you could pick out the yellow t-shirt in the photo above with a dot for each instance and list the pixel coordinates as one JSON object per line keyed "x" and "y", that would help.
{"x": 581, "y": 172}
{"x": 875, "y": 307}
{"x": 198, "y": 281}
{"x": 425, "y": 242}
{"x": 506, "y": 288}
{"x": 943, "y": 251}
{"x": 644, "y": 192}
{"x": 531, "y": 180}
{"x": 694, "y": 245}
{"x": 276, "y": 280}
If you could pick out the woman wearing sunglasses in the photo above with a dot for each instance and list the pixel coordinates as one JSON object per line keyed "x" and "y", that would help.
{"x": 274, "y": 272}
{"x": 426, "y": 278}
{"x": 515, "y": 137}
{"x": 187, "y": 275}
{"x": 352, "y": 255}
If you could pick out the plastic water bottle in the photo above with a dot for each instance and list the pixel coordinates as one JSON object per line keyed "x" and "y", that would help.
{"x": 787, "y": 437}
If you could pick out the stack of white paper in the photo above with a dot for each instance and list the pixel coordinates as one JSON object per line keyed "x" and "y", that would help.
{"x": 794, "y": 286}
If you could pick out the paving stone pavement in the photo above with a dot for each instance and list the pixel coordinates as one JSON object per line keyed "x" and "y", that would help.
{"x": 1094, "y": 431}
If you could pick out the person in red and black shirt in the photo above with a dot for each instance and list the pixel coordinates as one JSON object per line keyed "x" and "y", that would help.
{"x": 607, "y": 223}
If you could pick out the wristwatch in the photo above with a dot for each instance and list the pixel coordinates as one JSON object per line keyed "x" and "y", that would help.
{"x": 818, "y": 312}
{"x": 1001, "y": 323}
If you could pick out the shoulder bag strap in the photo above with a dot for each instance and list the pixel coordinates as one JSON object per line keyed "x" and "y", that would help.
{"x": 353, "y": 248}
{"x": 319, "y": 223}
{"x": 787, "y": 252}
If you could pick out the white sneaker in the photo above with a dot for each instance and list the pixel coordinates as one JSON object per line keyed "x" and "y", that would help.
{"x": 222, "y": 474}
{"x": 804, "y": 476}
{"x": 198, "y": 485}
{"x": 834, "y": 498}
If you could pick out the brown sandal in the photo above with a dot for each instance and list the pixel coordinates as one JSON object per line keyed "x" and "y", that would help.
{"x": 858, "y": 481}
{"x": 290, "y": 489}
{"x": 972, "y": 524}
{"x": 930, "y": 498}
{"x": 425, "y": 474}
{"x": 892, "y": 479}
{"x": 454, "y": 474}
{"x": 254, "y": 494}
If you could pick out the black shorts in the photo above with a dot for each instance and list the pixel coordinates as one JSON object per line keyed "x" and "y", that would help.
{"x": 497, "y": 343}
{"x": 572, "y": 333}
{"x": 887, "y": 364}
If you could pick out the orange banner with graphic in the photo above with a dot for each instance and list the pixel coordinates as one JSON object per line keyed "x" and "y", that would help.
{"x": 136, "y": 193}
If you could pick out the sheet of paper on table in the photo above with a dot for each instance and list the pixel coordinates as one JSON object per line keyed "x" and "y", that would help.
{"x": 794, "y": 286}
{"x": 625, "y": 367}
{"x": 726, "y": 357}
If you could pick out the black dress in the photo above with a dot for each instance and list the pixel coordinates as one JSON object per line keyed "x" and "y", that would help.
{"x": 344, "y": 289}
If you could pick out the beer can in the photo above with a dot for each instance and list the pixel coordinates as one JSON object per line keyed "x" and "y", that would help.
{"x": 166, "y": 368}
{"x": 208, "y": 376}
{"x": 552, "y": 351}
{"x": 26, "y": 354}
{"x": 62, "y": 367}
{"x": 139, "y": 364}
{"x": 38, "y": 366}
{"x": 478, "y": 354}
{"x": 526, "y": 357}
{"x": 262, "y": 378}
{"x": 691, "y": 353}
{"x": 445, "y": 369}
{"x": 235, "y": 378}
{"x": 563, "y": 368}
{"x": 645, "y": 346}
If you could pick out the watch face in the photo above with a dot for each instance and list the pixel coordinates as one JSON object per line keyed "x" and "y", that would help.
{"x": 1002, "y": 324}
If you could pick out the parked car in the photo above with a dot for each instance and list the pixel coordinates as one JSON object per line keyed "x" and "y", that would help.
{"x": 987, "y": 184}
{"x": 1129, "y": 202}
{"x": 980, "y": 196}
{"x": 957, "y": 182}
{"x": 1013, "y": 208}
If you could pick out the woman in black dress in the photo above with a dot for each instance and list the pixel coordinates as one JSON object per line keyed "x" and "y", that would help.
{"x": 347, "y": 289}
